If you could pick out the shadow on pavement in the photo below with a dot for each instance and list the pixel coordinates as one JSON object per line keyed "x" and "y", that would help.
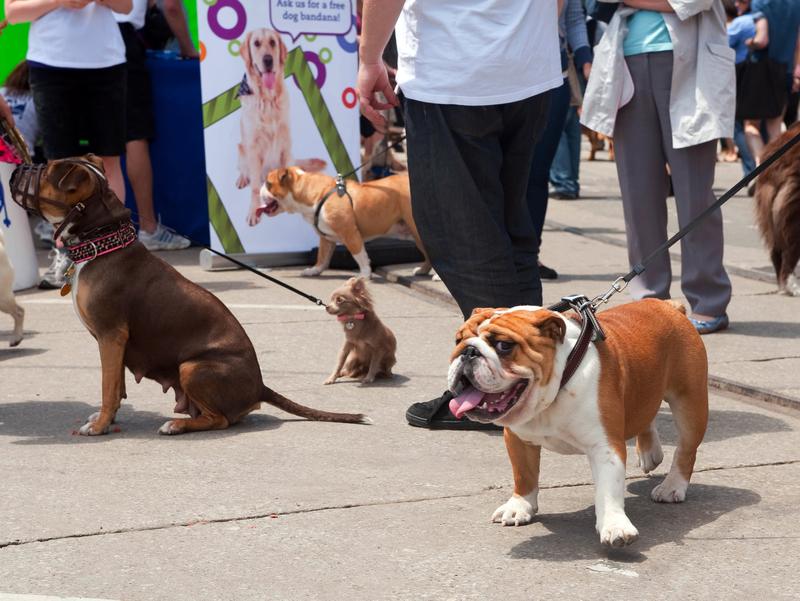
{"x": 722, "y": 425}
{"x": 57, "y": 422}
{"x": 773, "y": 329}
{"x": 18, "y": 351}
{"x": 571, "y": 536}
{"x": 217, "y": 287}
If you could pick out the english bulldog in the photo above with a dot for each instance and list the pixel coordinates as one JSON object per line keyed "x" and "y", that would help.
{"x": 370, "y": 210}
{"x": 507, "y": 367}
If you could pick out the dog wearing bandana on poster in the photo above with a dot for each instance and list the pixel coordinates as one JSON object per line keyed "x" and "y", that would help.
{"x": 266, "y": 141}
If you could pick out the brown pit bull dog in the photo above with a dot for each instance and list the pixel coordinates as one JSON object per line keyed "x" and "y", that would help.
{"x": 145, "y": 315}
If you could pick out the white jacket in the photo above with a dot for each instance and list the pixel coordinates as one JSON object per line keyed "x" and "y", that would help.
{"x": 703, "y": 93}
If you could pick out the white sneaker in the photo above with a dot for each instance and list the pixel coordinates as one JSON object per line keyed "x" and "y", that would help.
{"x": 54, "y": 276}
{"x": 44, "y": 231}
{"x": 162, "y": 239}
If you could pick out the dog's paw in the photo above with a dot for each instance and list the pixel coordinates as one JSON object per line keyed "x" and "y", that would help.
{"x": 671, "y": 490}
{"x": 331, "y": 380}
{"x": 651, "y": 459}
{"x": 617, "y": 531}
{"x": 242, "y": 181}
{"x": 96, "y": 415}
{"x": 517, "y": 511}
{"x": 421, "y": 270}
{"x": 253, "y": 217}
{"x": 169, "y": 428}
{"x": 15, "y": 342}
{"x": 310, "y": 272}
{"x": 367, "y": 379}
{"x": 792, "y": 286}
{"x": 91, "y": 429}
{"x": 365, "y": 273}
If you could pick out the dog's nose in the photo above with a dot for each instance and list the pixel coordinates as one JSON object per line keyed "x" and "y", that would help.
{"x": 268, "y": 62}
{"x": 470, "y": 353}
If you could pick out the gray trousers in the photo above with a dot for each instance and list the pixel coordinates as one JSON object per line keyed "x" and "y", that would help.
{"x": 643, "y": 146}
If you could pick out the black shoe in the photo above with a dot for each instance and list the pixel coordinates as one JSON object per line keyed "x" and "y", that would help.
{"x": 547, "y": 273}
{"x": 563, "y": 195}
{"x": 435, "y": 415}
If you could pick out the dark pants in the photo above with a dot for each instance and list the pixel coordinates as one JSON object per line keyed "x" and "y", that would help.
{"x": 469, "y": 170}
{"x": 543, "y": 155}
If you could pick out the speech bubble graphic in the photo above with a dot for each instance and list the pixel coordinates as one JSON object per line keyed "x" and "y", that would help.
{"x": 311, "y": 17}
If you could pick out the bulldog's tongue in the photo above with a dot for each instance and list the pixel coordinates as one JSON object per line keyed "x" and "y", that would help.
{"x": 466, "y": 401}
{"x": 268, "y": 79}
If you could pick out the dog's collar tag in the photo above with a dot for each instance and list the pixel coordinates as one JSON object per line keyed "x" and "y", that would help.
{"x": 350, "y": 325}
{"x": 67, "y": 287}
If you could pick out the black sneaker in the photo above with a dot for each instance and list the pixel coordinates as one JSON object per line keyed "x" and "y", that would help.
{"x": 558, "y": 195}
{"x": 547, "y": 273}
{"x": 435, "y": 415}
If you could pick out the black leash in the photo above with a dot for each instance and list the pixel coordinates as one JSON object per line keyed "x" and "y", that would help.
{"x": 250, "y": 268}
{"x": 586, "y": 308}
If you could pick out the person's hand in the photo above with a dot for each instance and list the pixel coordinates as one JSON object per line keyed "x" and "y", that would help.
{"x": 587, "y": 70}
{"x": 5, "y": 111}
{"x": 372, "y": 79}
{"x": 190, "y": 54}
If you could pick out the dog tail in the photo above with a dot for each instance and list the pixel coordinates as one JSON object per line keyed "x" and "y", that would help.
{"x": 677, "y": 305}
{"x": 281, "y": 402}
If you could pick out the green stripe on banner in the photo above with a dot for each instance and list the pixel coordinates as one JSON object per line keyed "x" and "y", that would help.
{"x": 220, "y": 221}
{"x": 221, "y": 106}
{"x": 297, "y": 65}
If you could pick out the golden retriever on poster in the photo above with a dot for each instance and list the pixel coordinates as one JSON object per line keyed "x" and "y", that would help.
{"x": 266, "y": 141}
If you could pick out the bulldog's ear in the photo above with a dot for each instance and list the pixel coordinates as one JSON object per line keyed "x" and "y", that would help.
{"x": 284, "y": 175}
{"x": 553, "y": 326}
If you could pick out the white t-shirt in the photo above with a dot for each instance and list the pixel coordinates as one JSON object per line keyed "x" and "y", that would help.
{"x": 136, "y": 16}
{"x": 477, "y": 52}
{"x": 87, "y": 38}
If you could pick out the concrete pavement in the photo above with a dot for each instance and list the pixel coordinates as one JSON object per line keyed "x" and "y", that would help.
{"x": 281, "y": 508}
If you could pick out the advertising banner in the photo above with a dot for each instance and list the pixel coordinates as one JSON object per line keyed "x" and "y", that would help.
{"x": 278, "y": 88}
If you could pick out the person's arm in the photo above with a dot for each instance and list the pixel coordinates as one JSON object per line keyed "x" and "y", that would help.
{"x": 577, "y": 37}
{"x": 5, "y": 111}
{"x": 662, "y": 6}
{"x": 796, "y": 79}
{"x": 761, "y": 39}
{"x": 378, "y": 21}
{"x": 176, "y": 19}
{"x": 22, "y": 11}
{"x": 122, "y": 7}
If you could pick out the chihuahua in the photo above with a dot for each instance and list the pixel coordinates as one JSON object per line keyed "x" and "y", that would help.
{"x": 369, "y": 346}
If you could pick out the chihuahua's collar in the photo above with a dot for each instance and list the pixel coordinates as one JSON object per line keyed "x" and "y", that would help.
{"x": 353, "y": 317}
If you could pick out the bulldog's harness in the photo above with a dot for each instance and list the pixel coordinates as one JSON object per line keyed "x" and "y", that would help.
{"x": 341, "y": 190}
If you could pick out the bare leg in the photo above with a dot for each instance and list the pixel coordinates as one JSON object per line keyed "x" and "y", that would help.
{"x": 140, "y": 174}
{"x": 116, "y": 182}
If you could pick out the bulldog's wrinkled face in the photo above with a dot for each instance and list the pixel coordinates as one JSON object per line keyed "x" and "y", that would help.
{"x": 502, "y": 362}
{"x": 66, "y": 183}
{"x": 276, "y": 193}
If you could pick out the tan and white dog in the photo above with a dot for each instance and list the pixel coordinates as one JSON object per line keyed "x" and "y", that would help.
{"x": 266, "y": 141}
{"x": 379, "y": 208}
{"x": 7, "y": 302}
{"x": 507, "y": 368}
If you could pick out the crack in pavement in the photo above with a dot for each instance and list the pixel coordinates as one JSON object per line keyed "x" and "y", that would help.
{"x": 275, "y": 514}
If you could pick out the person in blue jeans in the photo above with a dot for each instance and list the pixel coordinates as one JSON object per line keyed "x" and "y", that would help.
{"x": 572, "y": 32}
{"x": 565, "y": 170}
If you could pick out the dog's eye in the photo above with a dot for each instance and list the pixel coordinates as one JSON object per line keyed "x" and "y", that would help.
{"x": 257, "y": 43}
{"x": 339, "y": 299}
{"x": 272, "y": 43}
{"x": 504, "y": 347}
